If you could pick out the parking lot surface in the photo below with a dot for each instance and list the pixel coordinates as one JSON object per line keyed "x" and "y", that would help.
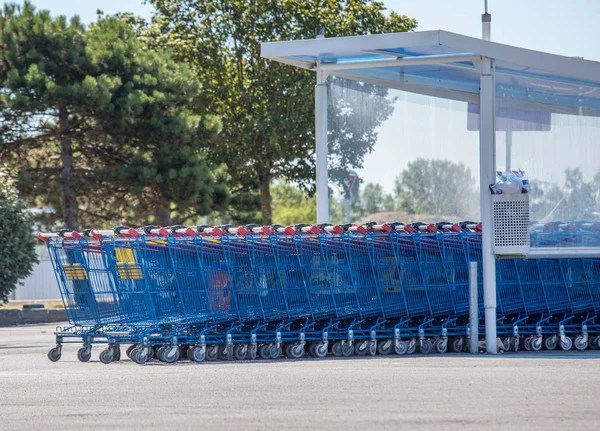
{"x": 542, "y": 391}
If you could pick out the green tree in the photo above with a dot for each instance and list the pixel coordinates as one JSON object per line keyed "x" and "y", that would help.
{"x": 374, "y": 200}
{"x": 576, "y": 200}
{"x": 292, "y": 205}
{"x": 437, "y": 187}
{"x": 17, "y": 244}
{"x": 267, "y": 108}
{"x": 100, "y": 126}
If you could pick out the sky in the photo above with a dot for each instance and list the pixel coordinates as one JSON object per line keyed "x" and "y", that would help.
{"x": 423, "y": 127}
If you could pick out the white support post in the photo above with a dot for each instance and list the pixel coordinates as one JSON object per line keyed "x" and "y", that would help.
{"x": 487, "y": 175}
{"x": 473, "y": 309}
{"x": 321, "y": 146}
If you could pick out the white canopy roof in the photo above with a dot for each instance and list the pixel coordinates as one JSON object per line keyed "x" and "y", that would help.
{"x": 444, "y": 64}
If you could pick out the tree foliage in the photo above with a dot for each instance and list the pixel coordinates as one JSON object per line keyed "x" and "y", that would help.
{"x": 576, "y": 200}
{"x": 373, "y": 200}
{"x": 17, "y": 244}
{"x": 437, "y": 187}
{"x": 99, "y": 126}
{"x": 267, "y": 108}
{"x": 292, "y": 205}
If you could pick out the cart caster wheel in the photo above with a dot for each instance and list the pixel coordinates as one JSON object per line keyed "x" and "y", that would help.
{"x": 265, "y": 351}
{"x": 320, "y": 350}
{"x": 412, "y": 346}
{"x": 106, "y": 356}
{"x": 347, "y": 349}
{"x": 372, "y": 348}
{"x": 311, "y": 350}
{"x": 336, "y": 349}
{"x": 515, "y": 344}
{"x": 360, "y": 348}
{"x": 551, "y": 343}
{"x": 581, "y": 342}
{"x": 276, "y": 352}
{"x": 593, "y": 342}
{"x": 536, "y": 343}
{"x": 240, "y": 352}
{"x": 159, "y": 353}
{"x": 251, "y": 352}
{"x": 441, "y": 345}
{"x": 566, "y": 343}
{"x": 188, "y": 354}
{"x": 506, "y": 342}
{"x": 457, "y": 345}
{"x": 223, "y": 353}
{"x": 55, "y": 353}
{"x": 171, "y": 354}
{"x": 295, "y": 351}
{"x": 139, "y": 355}
{"x": 385, "y": 347}
{"x": 212, "y": 353}
{"x": 527, "y": 343}
{"x": 84, "y": 354}
{"x": 401, "y": 348}
{"x": 129, "y": 349}
{"x": 116, "y": 353}
{"x": 197, "y": 354}
{"x": 597, "y": 343}
{"x": 426, "y": 347}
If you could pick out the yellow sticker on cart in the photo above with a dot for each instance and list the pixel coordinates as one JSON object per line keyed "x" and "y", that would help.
{"x": 129, "y": 271}
{"x": 75, "y": 271}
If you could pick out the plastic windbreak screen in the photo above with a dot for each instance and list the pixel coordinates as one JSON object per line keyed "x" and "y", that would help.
{"x": 553, "y": 134}
{"x": 400, "y": 156}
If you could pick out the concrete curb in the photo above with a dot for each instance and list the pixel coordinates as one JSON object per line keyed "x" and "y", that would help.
{"x": 34, "y": 316}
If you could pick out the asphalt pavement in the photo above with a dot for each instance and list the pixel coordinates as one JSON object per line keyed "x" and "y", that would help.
{"x": 543, "y": 391}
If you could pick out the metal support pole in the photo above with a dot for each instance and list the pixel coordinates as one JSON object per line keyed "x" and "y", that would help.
{"x": 321, "y": 146}
{"x": 473, "y": 309}
{"x": 487, "y": 167}
{"x": 508, "y": 150}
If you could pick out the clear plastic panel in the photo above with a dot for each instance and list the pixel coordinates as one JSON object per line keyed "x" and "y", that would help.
{"x": 415, "y": 157}
{"x": 552, "y": 132}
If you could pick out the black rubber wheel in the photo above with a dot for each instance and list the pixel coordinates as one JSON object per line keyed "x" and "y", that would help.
{"x": 295, "y": 351}
{"x": 212, "y": 353}
{"x": 336, "y": 349}
{"x": 251, "y": 352}
{"x": 441, "y": 346}
{"x": 170, "y": 355}
{"x": 265, "y": 351}
{"x": 361, "y": 348}
{"x": 139, "y": 356}
{"x": 551, "y": 342}
{"x": 239, "y": 352}
{"x": 197, "y": 354}
{"x": 426, "y": 347}
{"x": 385, "y": 347}
{"x": 54, "y": 354}
{"x": 401, "y": 347}
{"x": 457, "y": 345}
{"x": 129, "y": 349}
{"x": 223, "y": 353}
{"x": 158, "y": 353}
{"x": 84, "y": 354}
{"x": 116, "y": 353}
{"x": 372, "y": 348}
{"x": 347, "y": 349}
{"x": 320, "y": 350}
{"x": 106, "y": 356}
{"x": 276, "y": 352}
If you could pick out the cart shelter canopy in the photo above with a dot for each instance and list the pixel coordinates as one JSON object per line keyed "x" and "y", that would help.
{"x": 445, "y": 64}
